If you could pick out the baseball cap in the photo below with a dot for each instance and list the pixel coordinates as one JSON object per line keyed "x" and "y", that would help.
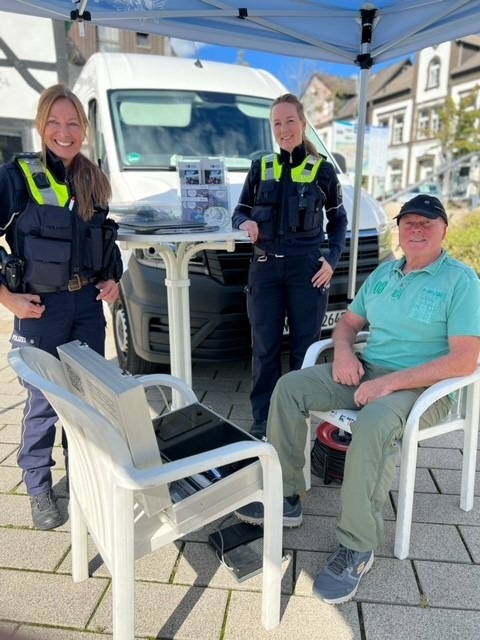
{"x": 426, "y": 206}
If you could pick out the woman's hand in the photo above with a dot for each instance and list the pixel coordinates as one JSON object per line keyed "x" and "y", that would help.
{"x": 109, "y": 291}
{"x": 252, "y": 228}
{"x": 323, "y": 276}
{"x": 22, "y": 305}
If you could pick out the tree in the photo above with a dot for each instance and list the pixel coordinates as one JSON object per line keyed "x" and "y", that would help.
{"x": 458, "y": 133}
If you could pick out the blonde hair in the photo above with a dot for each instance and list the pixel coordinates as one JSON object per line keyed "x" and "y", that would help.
{"x": 92, "y": 187}
{"x": 289, "y": 98}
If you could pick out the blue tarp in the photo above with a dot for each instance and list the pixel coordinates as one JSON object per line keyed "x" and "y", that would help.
{"x": 315, "y": 29}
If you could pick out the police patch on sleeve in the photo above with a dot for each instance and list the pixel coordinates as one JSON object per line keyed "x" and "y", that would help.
{"x": 339, "y": 191}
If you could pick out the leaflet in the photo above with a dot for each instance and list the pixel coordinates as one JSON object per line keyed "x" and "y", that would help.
{"x": 204, "y": 191}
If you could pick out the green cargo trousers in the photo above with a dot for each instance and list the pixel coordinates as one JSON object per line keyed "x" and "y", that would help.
{"x": 372, "y": 454}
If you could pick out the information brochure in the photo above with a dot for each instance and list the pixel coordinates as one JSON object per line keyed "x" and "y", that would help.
{"x": 204, "y": 191}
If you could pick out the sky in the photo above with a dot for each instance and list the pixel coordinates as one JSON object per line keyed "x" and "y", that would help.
{"x": 294, "y": 73}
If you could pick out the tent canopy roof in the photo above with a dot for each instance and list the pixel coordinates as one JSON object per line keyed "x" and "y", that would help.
{"x": 316, "y": 29}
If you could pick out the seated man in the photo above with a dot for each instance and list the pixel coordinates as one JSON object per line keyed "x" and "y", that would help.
{"x": 423, "y": 313}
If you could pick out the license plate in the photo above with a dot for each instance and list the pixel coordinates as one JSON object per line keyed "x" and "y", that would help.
{"x": 330, "y": 319}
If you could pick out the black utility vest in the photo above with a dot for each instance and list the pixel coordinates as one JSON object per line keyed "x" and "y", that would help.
{"x": 301, "y": 207}
{"x": 55, "y": 243}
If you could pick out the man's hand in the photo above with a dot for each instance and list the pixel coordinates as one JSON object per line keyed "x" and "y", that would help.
{"x": 22, "y": 305}
{"x": 347, "y": 368}
{"x": 460, "y": 361}
{"x": 371, "y": 390}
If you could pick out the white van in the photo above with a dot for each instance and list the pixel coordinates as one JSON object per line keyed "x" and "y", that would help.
{"x": 146, "y": 111}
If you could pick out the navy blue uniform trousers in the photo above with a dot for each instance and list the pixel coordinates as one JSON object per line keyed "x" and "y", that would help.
{"x": 279, "y": 287}
{"x": 68, "y": 315}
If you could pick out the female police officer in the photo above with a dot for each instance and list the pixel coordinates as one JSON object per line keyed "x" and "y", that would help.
{"x": 281, "y": 206}
{"x": 53, "y": 210}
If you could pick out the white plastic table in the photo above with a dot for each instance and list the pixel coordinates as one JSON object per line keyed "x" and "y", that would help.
{"x": 176, "y": 250}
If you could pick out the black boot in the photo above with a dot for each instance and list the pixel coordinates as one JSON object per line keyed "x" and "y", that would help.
{"x": 45, "y": 513}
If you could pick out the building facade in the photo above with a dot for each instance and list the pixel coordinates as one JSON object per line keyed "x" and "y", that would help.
{"x": 36, "y": 53}
{"x": 29, "y": 52}
{"x": 409, "y": 99}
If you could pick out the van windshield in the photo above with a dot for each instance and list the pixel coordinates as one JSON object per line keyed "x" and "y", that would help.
{"x": 155, "y": 127}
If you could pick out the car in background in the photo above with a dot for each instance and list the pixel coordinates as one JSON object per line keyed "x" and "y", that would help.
{"x": 427, "y": 188}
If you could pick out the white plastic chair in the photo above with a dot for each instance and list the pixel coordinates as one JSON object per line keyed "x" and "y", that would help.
{"x": 105, "y": 485}
{"x": 463, "y": 415}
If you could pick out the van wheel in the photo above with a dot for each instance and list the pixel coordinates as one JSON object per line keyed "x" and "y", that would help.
{"x": 128, "y": 359}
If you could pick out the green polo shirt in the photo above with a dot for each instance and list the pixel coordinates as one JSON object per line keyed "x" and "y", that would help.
{"x": 412, "y": 316}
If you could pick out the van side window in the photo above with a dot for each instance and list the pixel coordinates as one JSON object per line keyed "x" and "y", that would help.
{"x": 98, "y": 152}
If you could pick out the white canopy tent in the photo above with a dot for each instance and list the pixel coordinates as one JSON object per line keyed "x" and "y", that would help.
{"x": 343, "y": 31}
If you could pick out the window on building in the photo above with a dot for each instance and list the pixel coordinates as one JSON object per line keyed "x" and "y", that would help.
{"x": 423, "y": 124}
{"x": 398, "y": 126}
{"x": 394, "y": 176}
{"x": 142, "y": 40}
{"x": 97, "y": 142}
{"x": 468, "y": 100}
{"x": 424, "y": 171}
{"x": 327, "y": 108}
{"x": 108, "y": 39}
{"x": 435, "y": 123}
{"x": 384, "y": 123}
{"x": 433, "y": 77}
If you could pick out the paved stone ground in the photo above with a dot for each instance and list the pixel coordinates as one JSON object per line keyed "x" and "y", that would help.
{"x": 182, "y": 591}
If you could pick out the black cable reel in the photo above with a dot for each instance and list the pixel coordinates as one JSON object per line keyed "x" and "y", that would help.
{"x": 329, "y": 451}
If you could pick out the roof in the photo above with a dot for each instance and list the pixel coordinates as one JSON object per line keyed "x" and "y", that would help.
{"x": 383, "y": 85}
{"x": 338, "y": 85}
{"x": 393, "y": 84}
{"x": 472, "y": 40}
{"x": 472, "y": 64}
